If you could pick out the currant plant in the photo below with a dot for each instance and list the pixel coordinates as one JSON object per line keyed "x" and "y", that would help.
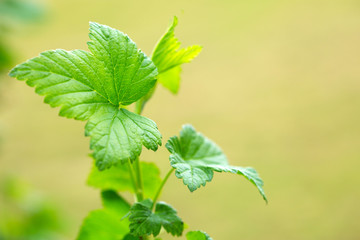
{"x": 98, "y": 87}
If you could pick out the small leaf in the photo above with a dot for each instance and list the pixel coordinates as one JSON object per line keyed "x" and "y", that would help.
{"x": 106, "y": 223}
{"x": 168, "y": 58}
{"x": 144, "y": 222}
{"x": 197, "y": 235}
{"x": 94, "y": 86}
{"x": 118, "y": 178}
{"x": 195, "y": 157}
{"x": 118, "y": 135}
{"x": 171, "y": 79}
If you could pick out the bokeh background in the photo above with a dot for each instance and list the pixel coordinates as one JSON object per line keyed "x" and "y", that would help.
{"x": 277, "y": 86}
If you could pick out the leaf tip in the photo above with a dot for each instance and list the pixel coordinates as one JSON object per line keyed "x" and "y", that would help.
{"x": 198, "y": 49}
{"x": 188, "y": 126}
{"x": 93, "y": 24}
{"x": 175, "y": 21}
{"x": 13, "y": 72}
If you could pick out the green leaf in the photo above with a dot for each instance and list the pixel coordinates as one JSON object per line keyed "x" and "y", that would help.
{"x": 168, "y": 58}
{"x": 118, "y": 178}
{"x": 102, "y": 224}
{"x": 114, "y": 202}
{"x": 132, "y": 73}
{"x": 106, "y": 223}
{"x": 144, "y": 222}
{"x": 197, "y": 235}
{"x": 95, "y": 86}
{"x": 171, "y": 79}
{"x": 196, "y": 157}
{"x": 130, "y": 237}
{"x": 118, "y": 135}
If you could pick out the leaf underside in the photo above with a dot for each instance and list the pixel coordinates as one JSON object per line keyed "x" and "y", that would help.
{"x": 145, "y": 222}
{"x": 195, "y": 158}
{"x": 168, "y": 58}
{"x": 95, "y": 86}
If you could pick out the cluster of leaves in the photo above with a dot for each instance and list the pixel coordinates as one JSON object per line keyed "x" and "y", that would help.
{"x": 98, "y": 87}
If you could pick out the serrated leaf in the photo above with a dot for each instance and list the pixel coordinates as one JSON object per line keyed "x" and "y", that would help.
{"x": 118, "y": 178}
{"x": 145, "y": 222}
{"x": 197, "y": 235}
{"x": 168, "y": 58}
{"x": 132, "y": 72}
{"x": 196, "y": 157}
{"x": 106, "y": 223}
{"x": 95, "y": 86}
{"x": 118, "y": 135}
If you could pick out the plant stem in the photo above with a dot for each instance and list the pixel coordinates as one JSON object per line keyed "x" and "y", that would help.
{"x": 140, "y": 104}
{"x": 134, "y": 183}
{"x": 139, "y": 179}
{"x": 161, "y": 187}
{"x": 138, "y": 109}
{"x": 140, "y": 193}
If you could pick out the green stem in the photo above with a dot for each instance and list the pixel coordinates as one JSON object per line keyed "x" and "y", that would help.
{"x": 138, "y": 109}
{"x": 140, "y": 104}
{"x": 139, "y": 179}
{"x": 134, "y": 183}
{"x": 161, "y": 187}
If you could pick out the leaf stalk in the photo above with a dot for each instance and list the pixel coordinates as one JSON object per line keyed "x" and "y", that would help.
{"x": 138, "y": 195}
{"x": 140, "y": 190}
{"x": 161, "y": 187}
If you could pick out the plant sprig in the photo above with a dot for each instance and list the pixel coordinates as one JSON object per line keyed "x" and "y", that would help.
{"x": 97, "y": 87}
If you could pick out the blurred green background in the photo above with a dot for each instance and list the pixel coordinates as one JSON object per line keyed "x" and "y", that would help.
{"x": 277, "y": 86}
